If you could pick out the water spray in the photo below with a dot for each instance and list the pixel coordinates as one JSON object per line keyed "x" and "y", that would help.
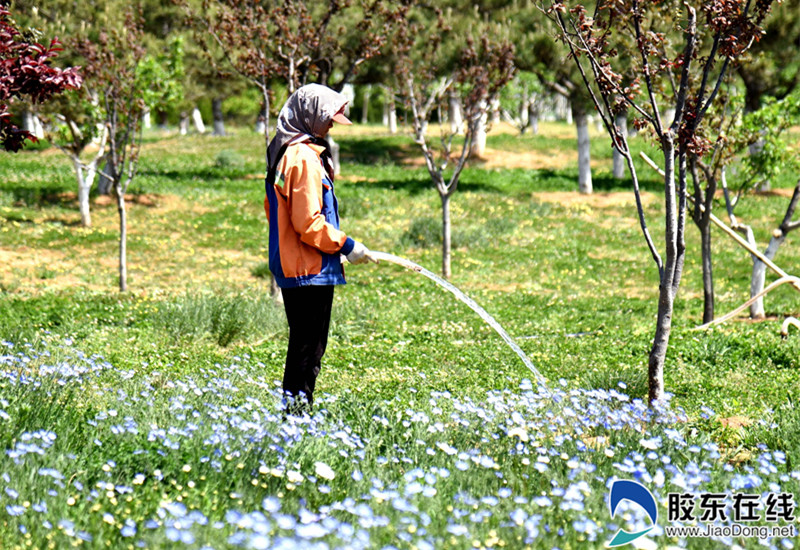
{"x": 408, "y": 264}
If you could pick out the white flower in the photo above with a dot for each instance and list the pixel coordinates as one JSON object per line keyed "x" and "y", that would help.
{"x": 324, "y": 471}
{"x": 294, "y": 477}
{"x": 520, "y": 433}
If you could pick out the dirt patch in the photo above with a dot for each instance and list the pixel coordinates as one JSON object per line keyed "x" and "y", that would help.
{"x": 614, "y": 199}
{"x": 553, "y": 159}
{"x": 735, "y": 422}
{"x": 145, "y": 199}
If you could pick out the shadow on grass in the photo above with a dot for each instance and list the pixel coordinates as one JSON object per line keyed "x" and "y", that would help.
{"x": 31, "y": 197}
{"x": 390, "y": 150}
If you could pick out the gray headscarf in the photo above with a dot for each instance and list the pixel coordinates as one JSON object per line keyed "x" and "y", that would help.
{"x": 307, "y": 112}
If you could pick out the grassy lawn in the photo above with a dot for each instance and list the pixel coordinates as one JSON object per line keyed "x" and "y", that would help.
{"x": 150, "y": 418}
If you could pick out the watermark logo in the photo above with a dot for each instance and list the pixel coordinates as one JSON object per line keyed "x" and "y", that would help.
{"x": 623, "y": 489}
{"x": 708, "y": 515}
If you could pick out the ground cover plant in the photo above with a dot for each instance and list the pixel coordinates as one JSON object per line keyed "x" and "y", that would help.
{"x": 151, "y": 418}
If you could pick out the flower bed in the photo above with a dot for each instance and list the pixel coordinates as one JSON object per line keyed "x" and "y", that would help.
{"x": 113, "y": 458}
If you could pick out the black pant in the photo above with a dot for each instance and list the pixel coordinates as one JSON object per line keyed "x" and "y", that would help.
{"x": 308, "y": 310}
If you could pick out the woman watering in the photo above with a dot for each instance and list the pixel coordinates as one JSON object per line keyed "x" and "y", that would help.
{"x": 305, "y": 243}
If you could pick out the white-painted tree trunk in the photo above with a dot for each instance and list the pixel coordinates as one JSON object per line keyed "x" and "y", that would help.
{"x": 147, "y": 121}
{"x": 197, "y": 118}
{"x": 759, "y": 274}
{"x": 391, "y": 111}
{"x": 533, "y": 114}
{"x": 85, "y": 175}
{"x": 454, "y": 113}
{"x": 495, "y": 110}
{"x": 584, "y": 153}
{"x": 365, "y": 97}
{"x": 478, "y": 145}
{"x": 619, "y": 164}
{"x": 261, "y": 120}
{"x": 123, "y": 240}
{"x": 183, "y": 123}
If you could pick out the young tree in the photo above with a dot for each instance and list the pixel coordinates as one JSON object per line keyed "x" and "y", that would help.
{"x": 115, "y": 60}
{"x": 721, "y": 33}
{"x": 774, "y": 155}
{"x": 521, "y": 102}
{"x": 483, "y": 69}
{"x": 26, "y": 72}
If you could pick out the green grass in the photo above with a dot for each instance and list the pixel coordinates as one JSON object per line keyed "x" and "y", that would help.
{"x": 570, "y": 279}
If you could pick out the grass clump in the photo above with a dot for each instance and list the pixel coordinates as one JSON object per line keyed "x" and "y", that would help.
{"x": 222, "y": 319}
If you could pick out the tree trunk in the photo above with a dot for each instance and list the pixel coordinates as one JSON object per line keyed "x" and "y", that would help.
{"x": 670, "y": 274}
{"x": 454, "y": 113}
{"x": 261, "y": 120}
{"x": 620, "y": 166}
{"x": 85, "y": 181}
{"x": 219, "y": 119}
{"x": 334, "y": 155}
{"x": 533, "y": 114}
{"x": 658, "y": 352}
{"x": 107, "y": 176}
{"x": 708, "y": 271}
{"x": 760, "y": 272}
{"x": 123, "y": 240}
{"x": 584, "y": 155}
{"x": 365, "y": 97}
{"x": 147, "y": 120}
{"x": 390, "y": 110}
{"x": 183, "y": 123}
{"x": 754, "y": 149}
{"x": 445, "y": 235}
{"x": 162, "y": 119}
{"x": 478, "y": 145}
{"x": 197, "y": 117}
{"x": 495, "y": 110}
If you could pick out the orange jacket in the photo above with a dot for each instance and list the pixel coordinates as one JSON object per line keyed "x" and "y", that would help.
{"x": 305, "y": 242}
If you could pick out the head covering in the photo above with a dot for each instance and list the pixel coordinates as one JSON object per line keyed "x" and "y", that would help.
{"x": 306, "y": 116}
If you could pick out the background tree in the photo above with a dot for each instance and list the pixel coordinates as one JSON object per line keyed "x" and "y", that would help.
{"x": 26, "y": 72}
{"x": 484, "y": 68}
{"x": 723, "y": 32}
{"x": 772, "y": 69}
{"x": 538, "y": 53}
{"x": 521, "y": 101}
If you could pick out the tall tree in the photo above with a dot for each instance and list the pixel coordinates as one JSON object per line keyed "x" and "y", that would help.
{"x": 722, "y": 32}
{"x": 26, "y": 72}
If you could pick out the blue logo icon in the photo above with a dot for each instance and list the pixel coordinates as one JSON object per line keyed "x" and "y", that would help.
{"x": 623, "y": 489}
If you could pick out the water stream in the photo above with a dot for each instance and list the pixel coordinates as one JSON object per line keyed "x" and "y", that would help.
{"x": 408, "y": 264}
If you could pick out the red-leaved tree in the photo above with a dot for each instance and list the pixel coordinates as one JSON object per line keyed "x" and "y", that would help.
{"x": 687, "y": 58}
{"x": 25, "y": 71}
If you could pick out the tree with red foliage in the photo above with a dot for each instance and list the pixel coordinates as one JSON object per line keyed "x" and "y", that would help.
{"x": 25, "y": 71}
{"x": 683, "y": 60}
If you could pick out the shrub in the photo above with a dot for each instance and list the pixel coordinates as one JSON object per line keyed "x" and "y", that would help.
{"x": 229, "y": 160}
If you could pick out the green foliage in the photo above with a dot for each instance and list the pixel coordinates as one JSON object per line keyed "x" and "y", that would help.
{"x": 160, "y": 76}
{"x": 767, "y": 128}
